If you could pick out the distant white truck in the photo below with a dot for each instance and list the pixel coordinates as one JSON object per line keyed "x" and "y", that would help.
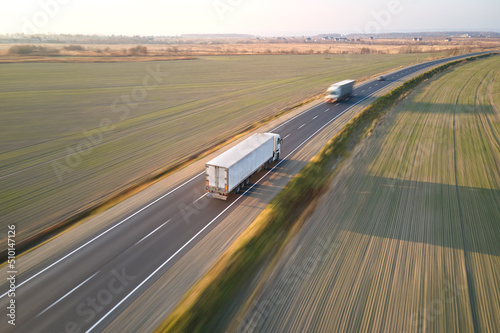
{"x": 232, "y": 169}
{"x": 339, "y": 91}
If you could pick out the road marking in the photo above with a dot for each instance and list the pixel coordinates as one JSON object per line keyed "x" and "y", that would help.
{"x": 152, "y": 232}
{"x": 327, "y": 110}
{"x": 286, "y": 136}
{"x": 363, "y": 90}
{"x": 302, "y": 126}
{"x": 338, "y": 103}
{"x": 316, "y": 116}
{"x": 105, "y": 232}
{"x": 69, "y": 292}
{"x": 200, "y": 198}
{"x": 300, "y": 114}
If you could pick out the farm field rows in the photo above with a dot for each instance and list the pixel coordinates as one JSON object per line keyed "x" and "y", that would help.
{"x": 406, "y": 239}
{"x": 73, "y": 135}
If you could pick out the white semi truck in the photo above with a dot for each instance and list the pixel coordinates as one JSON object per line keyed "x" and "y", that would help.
{"x": 339, "y": 91}
{"x": 232, "y": 169}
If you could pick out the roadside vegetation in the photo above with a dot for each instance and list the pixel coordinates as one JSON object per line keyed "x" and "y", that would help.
{"x": 217, "y": 296}
{"x": 33, "y": 50}
{"x": 76, "y": 135}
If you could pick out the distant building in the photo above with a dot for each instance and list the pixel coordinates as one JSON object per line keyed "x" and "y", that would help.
{"x": 448, "y": 39}
{"x": 417, "y": 39}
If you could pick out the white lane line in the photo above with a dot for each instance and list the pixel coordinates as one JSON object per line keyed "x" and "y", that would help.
{"x": 363, "y": 90}
{"x": 302, "y": 126}
{"x": 327, "y": 110}
{"x": 300, "y": 114}
{"x": 235, "y": 201}
{"x": 152, "y": 232}
{"x": 316, "y": 116}
{"x": 105, "y": 232}
{"x": 200, "y": 198}
{"x": 69, "y": 292}
{"x": 286, "y": 136}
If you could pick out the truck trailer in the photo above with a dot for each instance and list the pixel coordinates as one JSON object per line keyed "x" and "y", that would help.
{"x": 339, "y": 91}
{"x": 232, "y": 169}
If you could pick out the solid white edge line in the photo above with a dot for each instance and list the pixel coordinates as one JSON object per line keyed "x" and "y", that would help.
{"x": 105, "y": 232}
{"x": 215, "y": 218}
{"x": 69, "y": 292}
{"x": 152, "y": 232}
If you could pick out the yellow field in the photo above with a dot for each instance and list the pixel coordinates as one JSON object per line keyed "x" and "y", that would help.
{"x": 122, "y": 52}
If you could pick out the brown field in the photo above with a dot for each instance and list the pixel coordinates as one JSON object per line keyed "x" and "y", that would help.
{"x": 125, "y": 52}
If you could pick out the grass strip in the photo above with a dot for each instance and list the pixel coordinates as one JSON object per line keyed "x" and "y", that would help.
{"x": 205, "y": 306}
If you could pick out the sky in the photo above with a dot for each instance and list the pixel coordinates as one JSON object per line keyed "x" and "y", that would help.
{"x": 256, "y": 17}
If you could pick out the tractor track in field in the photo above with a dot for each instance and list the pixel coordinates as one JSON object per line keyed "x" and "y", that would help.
{"x": 468, "y": 269}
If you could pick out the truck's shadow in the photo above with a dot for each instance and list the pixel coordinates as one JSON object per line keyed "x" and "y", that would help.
{"x": 271, "y": 184}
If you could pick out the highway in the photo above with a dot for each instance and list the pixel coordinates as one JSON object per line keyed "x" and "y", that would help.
{"x": 86, "y": 288}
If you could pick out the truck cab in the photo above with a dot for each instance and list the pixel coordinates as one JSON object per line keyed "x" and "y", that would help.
{"x": 339, "y": 91}
{"x": 333, "y": 93}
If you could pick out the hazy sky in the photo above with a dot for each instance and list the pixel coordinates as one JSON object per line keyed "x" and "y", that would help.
{"x": 259, "y": 17}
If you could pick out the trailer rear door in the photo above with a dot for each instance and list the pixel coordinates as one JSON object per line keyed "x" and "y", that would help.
{"x": 221, "y": 176}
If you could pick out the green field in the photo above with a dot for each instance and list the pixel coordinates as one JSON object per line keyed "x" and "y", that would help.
{"x": 46, "y": 109}
{"x": 407, "y": 237}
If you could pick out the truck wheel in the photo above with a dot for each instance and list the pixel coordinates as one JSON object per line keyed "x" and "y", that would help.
{"x": 242, "y": 186}
{"x": 265, "y": 166}
{"x": 247, "y": 181}
{"x": 277, "y": 157}
{"x": 237, "y": 190}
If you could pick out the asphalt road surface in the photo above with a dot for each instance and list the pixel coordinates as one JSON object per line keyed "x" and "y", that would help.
{"x": 86, "y": 288}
